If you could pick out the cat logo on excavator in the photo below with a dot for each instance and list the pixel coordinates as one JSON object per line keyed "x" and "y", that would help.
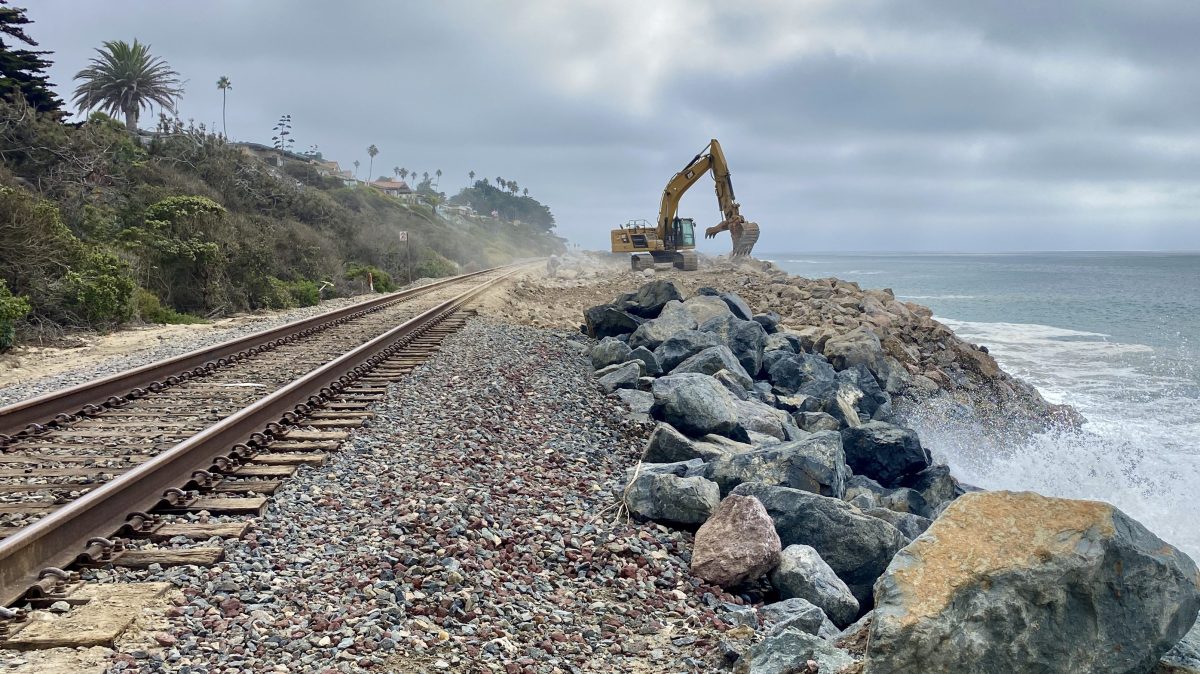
{"x": 672, "y": 239}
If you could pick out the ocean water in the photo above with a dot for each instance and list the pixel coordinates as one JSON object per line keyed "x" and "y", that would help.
{"x": 1116, "y": 335}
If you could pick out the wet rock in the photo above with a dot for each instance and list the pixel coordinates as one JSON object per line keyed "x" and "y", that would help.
{"x": 936, "y": 484}
{"x": 704, "y": 307}
{"x": 683, "y": 345}
{"x": 909, "y": 524}
{"x": 711, "y": 361}
{"x": 609, "y": 351}
{"x": 905, "y": 501}
{"x": 769, "y": 320}
{"x": 652, "y": 367}
{"x": 606, "y": 320}
{"x": 695, "y": 404}
{"x": 746, "y": 339}
{"x": 814, "y": 422}
{"x": 857, "y": 547}
{"x": 874, "y": 404}
{"x": 789, "y": 651}
{"x": 737, "y": 544}
{"x": 790, "y": 373}
{"x": 857, "y": 347}
{"x": 672, "y": 499}
{"x": 667, "y": 445}
{"x": 649, "y": 300}
{"x": 815, "y": 464}
{"x": 624, "y": 376}
{"x": 1007, "y": 581}
{"x": 673, "y": 319}
{"x": 1184, "y": 658}
{"x": 883, "y": 452}
{"x": 793, "y": 613}
{"x": 802, "y": 573}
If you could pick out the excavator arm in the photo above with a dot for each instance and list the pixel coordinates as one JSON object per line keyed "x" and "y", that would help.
{"x": 712, "y": 158}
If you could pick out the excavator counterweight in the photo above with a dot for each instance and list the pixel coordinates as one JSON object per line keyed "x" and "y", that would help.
{"x": 672, "y": 239}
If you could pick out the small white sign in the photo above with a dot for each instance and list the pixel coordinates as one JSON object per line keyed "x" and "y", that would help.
{"x": 404, "y": 236}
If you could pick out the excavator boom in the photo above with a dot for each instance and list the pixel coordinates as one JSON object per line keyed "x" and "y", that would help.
{"x": 712, "y": 158}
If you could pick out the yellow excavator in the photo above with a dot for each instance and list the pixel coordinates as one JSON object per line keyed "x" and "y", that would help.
{"x": 672, "y": 239}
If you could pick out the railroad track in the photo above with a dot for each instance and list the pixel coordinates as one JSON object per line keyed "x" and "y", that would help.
{"x": 95, "y": 474}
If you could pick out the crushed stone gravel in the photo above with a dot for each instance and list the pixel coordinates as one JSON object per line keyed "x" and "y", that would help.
{"x": 472, "y": 527}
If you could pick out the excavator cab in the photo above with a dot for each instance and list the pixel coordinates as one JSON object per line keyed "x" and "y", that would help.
{"x": 683, "y": 232}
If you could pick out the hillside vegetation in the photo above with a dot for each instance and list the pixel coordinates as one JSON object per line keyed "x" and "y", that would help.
{"x": 99, "y": 226}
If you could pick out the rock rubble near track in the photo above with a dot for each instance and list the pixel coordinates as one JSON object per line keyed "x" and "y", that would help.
{"x": 786, "y": 451}
{"x": 474, "y": 527}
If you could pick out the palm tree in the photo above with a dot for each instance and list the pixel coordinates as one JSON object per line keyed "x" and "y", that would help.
{"x": 356, "y": 169}
{"x": 438, "y": 173}
{"x": 125, "y": 78}
{"x": 396, "y": 170}
{"x": 371, "y": 152}
{"x": 425, "y": 176}
{"x": 526, "y": 192}
{"x": 403, "y": 173}
{"x": 224, "y": 85}
{"x": 471, "y": 175}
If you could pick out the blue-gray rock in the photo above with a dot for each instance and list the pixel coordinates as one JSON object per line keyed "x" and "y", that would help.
{"x": 609, "y": 351}
{"x": 672, "y": 499}
{"x": 667, "y": 445}
{"x": 1018, "y": 582}
{"x": 814, "y": 422}
{"x": 607, "y": 320}
{"x": 769, "y": 321}
{"x": 937, "y": 486}
{"x": 790, "y": 373}
{"x": 673, "y": 319}
{"x": 683, "y": 345}
{"x": 909, "y": 524}
{"x": 704, "y": 307}
{"x": 905, "y": 500}
{"x": 621, "y": 376}
{"x": 815, "y": 464}
{"x": 758, "y": 417}
{"x": 788, "y": 652}
{"x": 689, "y": 468}
{"x": 883, "y": 452}
{"x": 777, "y": 342}
{"x": 802, "y": 573}
{"x": 1184, "y": 658}
{"x": 653, "y": 367}
{"x": 639, "y": 402}
{"x": 738, "y": 306}
{"x": 857, "y": 347}
{"x": 746, "y": 339}
{"x": 856, "y": 546}
{"x": 794, "y": 613}
{"x": 695, "y": 404}
{"x": 875, "y": 404}
{"x": 711, "y": 361}
{"x": 650, "y": 298}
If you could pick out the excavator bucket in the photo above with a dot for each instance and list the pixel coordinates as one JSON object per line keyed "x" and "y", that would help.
{"x": 743, "y": 241}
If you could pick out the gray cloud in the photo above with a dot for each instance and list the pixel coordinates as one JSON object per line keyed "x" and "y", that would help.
{"x": 881, "y": 125}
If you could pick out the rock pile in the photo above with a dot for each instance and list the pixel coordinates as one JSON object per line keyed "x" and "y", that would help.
{"x": 783, "y": 447}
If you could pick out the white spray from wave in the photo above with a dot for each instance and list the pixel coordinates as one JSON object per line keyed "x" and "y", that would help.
{"x": 1137, "y": 450}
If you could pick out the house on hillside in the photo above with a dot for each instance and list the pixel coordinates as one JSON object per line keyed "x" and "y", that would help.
{"x": 461, "y": 210}
{"x": 394, "y": 188}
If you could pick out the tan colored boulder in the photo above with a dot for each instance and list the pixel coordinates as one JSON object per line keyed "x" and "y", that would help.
{"x": 737, "y": 544}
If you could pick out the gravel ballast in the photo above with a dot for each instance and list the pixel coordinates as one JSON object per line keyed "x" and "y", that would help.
{"x": 472, "y": 527}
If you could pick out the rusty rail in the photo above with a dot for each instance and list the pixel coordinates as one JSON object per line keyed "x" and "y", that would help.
{"x": 40, "y": 549}
{"x": 29, "y": 416}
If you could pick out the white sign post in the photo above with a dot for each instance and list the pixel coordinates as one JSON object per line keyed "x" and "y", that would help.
{"x": 407, "y": 256}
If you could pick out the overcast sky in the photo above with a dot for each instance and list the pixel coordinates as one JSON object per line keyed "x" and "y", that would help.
{"x": 941, "y": 125}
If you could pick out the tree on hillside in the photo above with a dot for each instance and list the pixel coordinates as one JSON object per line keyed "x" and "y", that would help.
{"x": 224, "y": 85}
{"x": 526, "y": 192}
{"x": 403, "y": 173}
{"x": 471, "y": 175}
{"x": 438, "y": 173}
{"x": 282, "y": 139}
{"x": 425, "y": 176}
{"x": 371, "y": 152}
{"x": 22, "y": 70}
{"x": 396, "y": 171}
{"x": 125, "y": 78}
{"x": 356, "y": 169}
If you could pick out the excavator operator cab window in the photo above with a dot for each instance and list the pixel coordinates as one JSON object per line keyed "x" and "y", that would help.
{"x": 685, "y": 228}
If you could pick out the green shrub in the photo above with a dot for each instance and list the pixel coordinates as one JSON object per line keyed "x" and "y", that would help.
{"x": 98, "y": 290}
{"x": 305, "y": 293}
{"x": 381, "y": 279}
{"x": 150, "y": 309}
{"x": 11, "y": 309}
{"x": 277, "y": 295}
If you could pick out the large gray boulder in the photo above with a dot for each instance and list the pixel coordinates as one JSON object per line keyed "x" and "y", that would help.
{"x": 758, "y": 417}
{"x": 791, "y": 372}
{"x": 683, "y": 345}
{"x": 652, "y": 367}
{"x": 1018, "y": 582}
{"x": 672, "y": 499}
{"x": 777, "y": 342}
{"x": 857, "y": 547}
{"x": 650, "y": 298}
{"x": 909, "y": 524}
{"x": 704, "y": 307}
{"x": 794, "y": 613}
{"x": 1184, "y": 658}
{"x": 875, "y": 403}
{"x": 711, "y": 361}
{"x": 936, "y": 485}
{"x": 802, "y": 573}
{"x": 639, "y": 402}
{"x": 737, "y": 544}
{"x": 609, "y": 351}
{"x": 667, "y": 445}
{"x": 815, "y": 464}
{"x": 737, "y": 306}
{"x": 620, "y": 376}
{"x": 789, "y": 651}
{"x": 885, "y": 453}
{"x": 857, "y": 347}
{"x": 674, "y": 318}
{"x": 695, "y": 404}
{"x": 746, "y": 339}
{"x": 606, "y": 320}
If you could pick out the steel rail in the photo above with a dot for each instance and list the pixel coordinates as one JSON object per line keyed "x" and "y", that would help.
{"x": 56, "y": 540}
{"x": 44, "y": 409}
